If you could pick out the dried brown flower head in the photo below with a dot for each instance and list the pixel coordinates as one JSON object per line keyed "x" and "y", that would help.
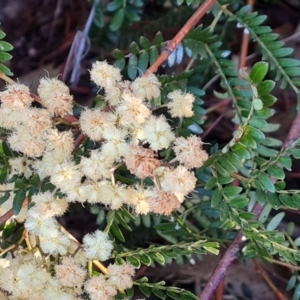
{"x": 142, "y": 162}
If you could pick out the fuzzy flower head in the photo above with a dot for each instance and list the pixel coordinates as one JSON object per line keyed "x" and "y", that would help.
{"x": 10, "y": 118}
{"x": 69, "y": 273}
{"x": 55, "y": 243}
{"x": 97, "y": 245}
{"x": 98, "y": 288}
{"x": 95, "y": 122}
{"x": 77, "y": 253}
{"x": 16, "y": 96}
{"x": 7, "y": 278}
{"x": 55, "y": 95}
{"x": 37, "y": 224}
{"x": 113, "y": 195}
{"x": 158, "y": 133}
{"x": 120, "y": 276}
{"x": 181, "y": 104}
{"x": 163, "y": 204}
{"x": 131, "y": 110}
{"x": 36, "y": 120}
{"x": 97, "y": 166}
{"x": 116, "y": 145}
{"x": 29, "y": 281}
{"x": 113, "y": 95}
{"x": 60, "y": 143}
{"x": 93, "y": 192}
{"x": 54, "y": 290}
{"x": 189, "y": 151}
{"x": 49, "y": 161}
{"x": 20, "y": 165}
{"x": 47, "y": 205}
{"x": 146, "y": 87}
{"x": 137, "y": 198}
{"x": 141, "y": 162}
{"x": 61, "y": 104}
{"x": 105, "y": 75}
{"x": 48, "y": 87}
{"x": 65, "y": 175}
{"x": 23, "y": 141}
{"x": 75, "y": 193}
{"x": 178, "y": 180}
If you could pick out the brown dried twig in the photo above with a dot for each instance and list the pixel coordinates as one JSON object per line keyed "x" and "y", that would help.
{"x": 192, "y": 21}
{"x": 245, "y": 43}
{"x": 267, "y": 279}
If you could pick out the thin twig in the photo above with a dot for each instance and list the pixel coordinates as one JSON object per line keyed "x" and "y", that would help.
{"x": 244, "y": 49}
{"x": 212, "y": 126}
{"x": 219, "y": 273}
{"x": 194, "y": 19}
{"x": 79, "y": 139}
{"x": 71, "y": 118}
{"x": 245, "y": 41}
{"x": 36, "y": 98}
{"x": 6, "y": 78}
{"x": 218, "y": 105}
{"x": 210, "y": 82}
{"x": 220, "y": 290}
{"x": 267, "y": 279}
{"x": 282, "y": 263}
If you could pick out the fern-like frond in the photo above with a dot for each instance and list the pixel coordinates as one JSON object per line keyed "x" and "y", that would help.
{"x": 288, "y": 70}
{"x": 204, "y": 43}
{"x": 161, "y": 253}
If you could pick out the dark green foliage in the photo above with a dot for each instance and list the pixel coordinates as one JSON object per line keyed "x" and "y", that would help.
{"x": 4, "y": 56}
{"x": 140, "y": 55}
{"x": 161, "y": 291}
{"x": 287, "y": 69}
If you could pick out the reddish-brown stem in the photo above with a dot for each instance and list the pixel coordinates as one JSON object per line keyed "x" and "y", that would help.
{"x": 219, "y": 273}
{"x": 70, "y": 118}
{"x": 267, "y": 279}
{"x": 245, "y": 42}
{"x": 36, "y": 98}
{"x": 79, "y": 139}
{"x": 220, "y": 290}
{"x": 10, "y": 213}
{"x": 192, "y": 21}
{"x": 244, "y": 49}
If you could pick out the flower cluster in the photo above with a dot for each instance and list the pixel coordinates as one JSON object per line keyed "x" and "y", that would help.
{"x": 27, "y": 277}
{"x": 126, "y": 133}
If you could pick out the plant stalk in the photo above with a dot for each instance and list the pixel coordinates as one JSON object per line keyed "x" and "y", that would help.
{"x": 191, "y": 22}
